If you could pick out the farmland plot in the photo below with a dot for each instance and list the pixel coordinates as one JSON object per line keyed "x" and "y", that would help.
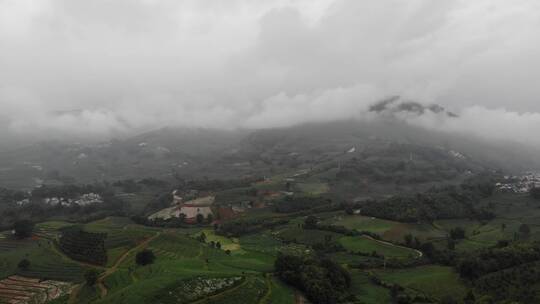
{"x": 18, "y": 289}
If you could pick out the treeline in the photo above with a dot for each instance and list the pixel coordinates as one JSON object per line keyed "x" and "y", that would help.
{"x": 132, "y": 186}
{"x": 508, "y": 272}
{"x": 246, "y": 226}
{"x": 444, "y": 203}
{"x": 70, "y": 191}
{"x": 484, "y": 261}
{"x": 403, "y": 164}
{"x": 322, "y": 280}
{"x": 215, "y": 184}
{"x": 9, "y": 196}
{"x": 292, "y": 204}
{"x": 514, "y": 284}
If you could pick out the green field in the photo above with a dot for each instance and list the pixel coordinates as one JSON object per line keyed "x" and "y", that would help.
{"x": 278, "y": 292}
{"x": 360, "y": 223}
{"x": 295, "y": 234}
{"x": 187, "y": 270}
{"x": 312, "y": 188}
{"x": 435, "y": 281}
{"x": 366, "y": 291}
{"x": 366, "y": 245}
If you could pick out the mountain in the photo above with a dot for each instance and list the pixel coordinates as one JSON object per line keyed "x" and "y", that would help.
{"x": 198, "y": 153}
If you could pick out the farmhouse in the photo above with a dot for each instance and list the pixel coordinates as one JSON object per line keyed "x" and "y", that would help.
{"x": 190, "y": 209}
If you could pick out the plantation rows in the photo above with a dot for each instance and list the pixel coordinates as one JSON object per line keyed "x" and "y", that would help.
{"x": 84, "y": 246}
{"x": 118, "y": 240}
{"x": 46, "y": 233}
{"x": 54, "y": 270}
{"x": 9, "y": 244}
{"x": 17, "y": 289}
{"x": 181, "y": 246}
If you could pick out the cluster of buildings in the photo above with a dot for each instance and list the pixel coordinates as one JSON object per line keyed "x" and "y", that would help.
{"x": 519, "y": 184}
{"x": 83, "y": 200}
{"x": 189, "y": 210}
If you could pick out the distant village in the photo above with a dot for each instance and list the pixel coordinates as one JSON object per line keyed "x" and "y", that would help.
{"x": 83, "y": 200}
{"x": 519, "y": 184}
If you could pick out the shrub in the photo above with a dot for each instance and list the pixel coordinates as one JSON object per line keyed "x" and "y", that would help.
{"x": 145, "y": 257}
{"x": 23, "y": 229}
{"x": 24, "y": 264}
{"x": 91, "y": 276}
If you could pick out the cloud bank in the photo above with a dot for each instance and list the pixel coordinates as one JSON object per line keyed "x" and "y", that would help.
{"x": 116, "y": 67}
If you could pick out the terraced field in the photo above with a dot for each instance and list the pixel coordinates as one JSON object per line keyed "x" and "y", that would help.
{"x": 18, "y": 289}
{"x": 8, "y": 244}
{"x": 295, "y": 234}
{"x": 251, "y": 291}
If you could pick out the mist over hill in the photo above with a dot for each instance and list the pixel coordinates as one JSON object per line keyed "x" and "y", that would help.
{"x": 197, "y": 153}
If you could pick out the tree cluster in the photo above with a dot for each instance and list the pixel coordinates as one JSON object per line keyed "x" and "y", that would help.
{"x": 322, "y": 280}
{"x": 246, "y": 226}
{"x": 445, "y": 203}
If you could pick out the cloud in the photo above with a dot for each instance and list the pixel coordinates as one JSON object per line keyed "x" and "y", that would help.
{"x": 106, "y": 68}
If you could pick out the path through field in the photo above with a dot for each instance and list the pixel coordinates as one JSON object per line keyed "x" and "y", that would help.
{"x": 113, "y": 268}
{"x": 420, "y": 253}
{"x": 268, "y": 282}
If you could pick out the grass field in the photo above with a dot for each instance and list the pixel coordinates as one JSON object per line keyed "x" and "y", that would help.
{"x": 295, "y": 234}
{"x": 361, "y": 223}
{"x": 366, "y": 291}
{"x": 278, "y": 292}
{"x": 231, "y": 244}
{"x": 366, "y": 245}
{"x": 312, "y": 188}
{"x": 435, "y": 281}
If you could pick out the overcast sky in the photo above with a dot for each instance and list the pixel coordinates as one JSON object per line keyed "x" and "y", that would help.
{"x": 108, "y": 67}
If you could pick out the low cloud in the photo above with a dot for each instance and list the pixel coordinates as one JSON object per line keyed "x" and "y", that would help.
{"x": 99, "y": 69}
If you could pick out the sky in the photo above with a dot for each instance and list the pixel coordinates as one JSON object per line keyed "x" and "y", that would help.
{"x": 105, "y": 68}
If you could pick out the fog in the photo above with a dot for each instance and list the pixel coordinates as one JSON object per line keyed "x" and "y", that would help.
{"x": 111, "y": 68}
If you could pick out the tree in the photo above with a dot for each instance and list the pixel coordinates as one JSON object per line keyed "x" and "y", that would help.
{"x": 145, "y": 257}
{"x": 288, "y": 186}
{"x": 524, "y": 230}
{"x": 448, "y": 300}
{"x": 24, "y": 264}
{"x": 535, "y": 193}
{"x": 408, "y": 239}
{"x": 23, "y": 229}
{"x": 210, "y": 218}
{"x": 218, "y": 245}
{"x": 469, "y": 298}
{"x": 91, "y": 276}
{"x": 451, "y": 244}
{"x": 457, "y": 233}
{"x": 200, "y": 218}
{"x": 310, "y": 222}
{"x": 202, "y": 237}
